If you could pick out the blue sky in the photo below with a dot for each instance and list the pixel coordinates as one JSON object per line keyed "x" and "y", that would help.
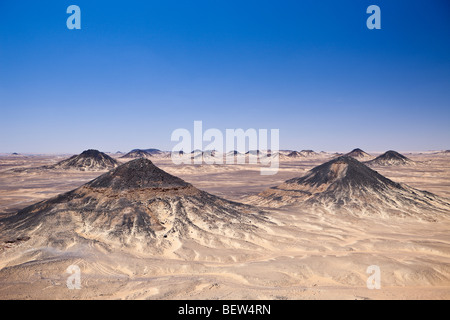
{"x": 137, "y": 71}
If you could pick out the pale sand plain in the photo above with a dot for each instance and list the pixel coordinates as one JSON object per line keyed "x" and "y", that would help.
{"x": 302, "y": 255}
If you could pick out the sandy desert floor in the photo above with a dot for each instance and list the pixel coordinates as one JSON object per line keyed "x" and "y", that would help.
{"x": 304, "y": 255}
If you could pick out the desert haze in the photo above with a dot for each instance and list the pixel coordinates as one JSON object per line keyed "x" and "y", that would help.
{"x": 140, "y": 227}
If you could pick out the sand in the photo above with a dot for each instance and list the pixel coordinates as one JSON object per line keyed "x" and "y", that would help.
{"x": 300, "y": 255}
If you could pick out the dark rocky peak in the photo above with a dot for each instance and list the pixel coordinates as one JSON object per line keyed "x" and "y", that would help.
{"x": 137, "y": 174}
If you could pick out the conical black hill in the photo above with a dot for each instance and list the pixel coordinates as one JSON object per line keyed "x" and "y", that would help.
{"x": 345, "y": 171}
{"x": 390, "y": 158}
{"x": 137, "y": 153}
{"x": 91, "y": 153}
{"x": 393, "y": 155}
{"x": 87, "y": 160}
{"x": 137, "y": 174}
{"x": 346, "y": 185}
{"x": 136, "y": 205}
{"x": 358, "y": 154}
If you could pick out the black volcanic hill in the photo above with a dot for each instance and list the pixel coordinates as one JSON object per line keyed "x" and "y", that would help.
{"x": 89, "y": 160}
{"x": 345, "y": 184}
{"x": 308, "y": 153}
{"x": 138, "y": 205}
{"x": 139, "y": 174}
{"x": 391, "y": 158}
{"x": 153, "y": 151}
{"x": 302, "y": 154}
{"x": 358, "y": 154}
{"x": 344, "y": 172}
{"x": 136, "y": 154}
{"x": 295, "y": 154}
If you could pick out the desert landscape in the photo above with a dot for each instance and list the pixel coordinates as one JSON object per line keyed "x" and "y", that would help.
{"x": 225, "y": 150}
{"x": 140, "y": 227}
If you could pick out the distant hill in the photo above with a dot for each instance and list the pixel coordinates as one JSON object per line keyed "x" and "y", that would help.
{"x": 295, "y": 154}
{"x": 152, "y": 151}
{"x": 136, "y": 154}
{"x": 391, "y": 158}
{"x": 359, "y": 154}
{"x": 89, "y": 160}
{"x": 308, "y": 153}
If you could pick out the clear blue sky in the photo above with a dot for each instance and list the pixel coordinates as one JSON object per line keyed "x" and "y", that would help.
{"x": 137, "y": 70}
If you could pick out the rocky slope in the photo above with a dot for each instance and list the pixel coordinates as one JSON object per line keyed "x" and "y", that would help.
{"x": 136, "y": 205}
{"x": 345, "y": 184}
{"x": 359, "y": 154}
{"x": 391, "y": 158}
{"x": 89, "y": 160}
{"x": 136, "y": 154}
